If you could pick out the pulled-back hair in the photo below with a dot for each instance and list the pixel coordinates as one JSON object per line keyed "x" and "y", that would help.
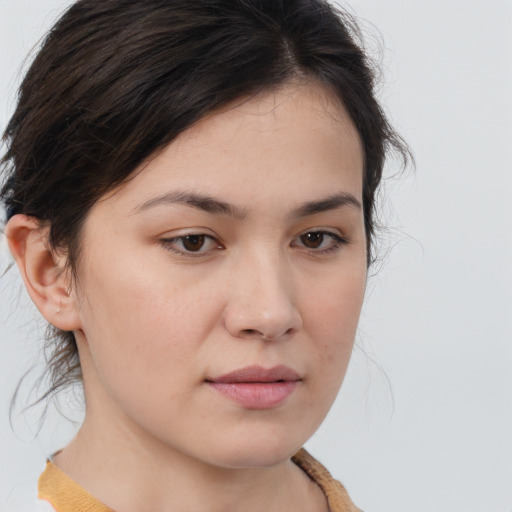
{"x": 117, "y": 80}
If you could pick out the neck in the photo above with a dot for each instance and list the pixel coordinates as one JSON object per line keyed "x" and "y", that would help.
{"x": 132, "y": 472}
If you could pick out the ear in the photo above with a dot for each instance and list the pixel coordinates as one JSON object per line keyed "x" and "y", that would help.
{"x": 43, "y": 271}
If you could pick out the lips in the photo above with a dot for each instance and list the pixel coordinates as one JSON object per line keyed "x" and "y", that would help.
{"x": 259, "y": 374}
{"x": 258, "y": 388}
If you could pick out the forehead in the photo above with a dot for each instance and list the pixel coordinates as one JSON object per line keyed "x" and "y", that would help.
{"x": 295, "y": 141}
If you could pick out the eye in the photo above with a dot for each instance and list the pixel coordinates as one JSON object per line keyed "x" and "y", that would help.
{"x": 193, "y": 244}
{"x": 320, "y": 241}
{"x": 312, "y": 240}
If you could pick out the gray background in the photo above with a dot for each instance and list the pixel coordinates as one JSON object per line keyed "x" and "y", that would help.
{"x": 424, "y": 419}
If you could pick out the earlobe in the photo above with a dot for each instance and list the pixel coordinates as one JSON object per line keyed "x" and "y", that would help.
{"x": 43, "y": 271}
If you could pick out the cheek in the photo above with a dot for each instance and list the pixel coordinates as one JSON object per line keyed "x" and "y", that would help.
{"x": 337, "y": 305}
{"x": 331, "y": 324}
{"x": 140, "y": 325}
{"x": 333, "y": 318}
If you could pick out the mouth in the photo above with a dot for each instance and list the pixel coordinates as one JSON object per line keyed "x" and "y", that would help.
{"x": 257, "y": 388}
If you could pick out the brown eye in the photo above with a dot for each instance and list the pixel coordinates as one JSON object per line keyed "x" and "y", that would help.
{"x": 320, "y": 242}
{"x": 193, "y": 243}
{"x": 312, "y": 240}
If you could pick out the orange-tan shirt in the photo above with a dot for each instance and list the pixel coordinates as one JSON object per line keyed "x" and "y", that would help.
{"x": 65, "y": 495}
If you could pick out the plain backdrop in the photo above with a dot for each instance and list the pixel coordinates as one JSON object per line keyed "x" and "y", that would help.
{"x": 424, "y": 419}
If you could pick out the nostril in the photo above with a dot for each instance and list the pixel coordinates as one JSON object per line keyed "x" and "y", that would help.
{"x": 255, "y": 333}
{"x": 251, "y": 332}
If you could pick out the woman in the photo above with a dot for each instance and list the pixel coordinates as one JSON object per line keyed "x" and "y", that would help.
{"x": 190, "y": 199}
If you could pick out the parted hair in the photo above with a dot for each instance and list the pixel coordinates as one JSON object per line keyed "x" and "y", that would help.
{"x": 117, "y": 80}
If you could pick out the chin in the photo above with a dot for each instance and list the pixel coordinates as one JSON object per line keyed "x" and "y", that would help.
{"x": 257, "y": 451}
{"x": 257, "y": 458}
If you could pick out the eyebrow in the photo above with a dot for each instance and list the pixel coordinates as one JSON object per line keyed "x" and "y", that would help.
{"x": 199, "y": 201}
{"x": 214, "y": 206}
{"x": 329, "y": 203}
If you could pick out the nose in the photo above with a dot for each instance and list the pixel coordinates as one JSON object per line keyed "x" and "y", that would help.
{"x": 261, "y": 302}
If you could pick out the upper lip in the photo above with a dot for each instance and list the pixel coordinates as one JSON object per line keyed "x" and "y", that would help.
{"x": 258, "y": 374}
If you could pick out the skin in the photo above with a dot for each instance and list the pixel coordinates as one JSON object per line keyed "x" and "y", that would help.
{"x": 154, "y": 322}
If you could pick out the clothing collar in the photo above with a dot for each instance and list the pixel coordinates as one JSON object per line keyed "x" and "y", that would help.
{"x": 65, "y": 495}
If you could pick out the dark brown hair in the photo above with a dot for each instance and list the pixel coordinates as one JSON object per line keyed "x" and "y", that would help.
{"x": 116, "y": 80}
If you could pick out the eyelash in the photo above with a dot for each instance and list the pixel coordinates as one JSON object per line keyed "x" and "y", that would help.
{"x": 337, "y": 242}
{"x": 170, "y": 244}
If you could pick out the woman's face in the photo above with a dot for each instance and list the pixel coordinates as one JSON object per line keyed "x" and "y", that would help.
{"x": 220, "y": 288}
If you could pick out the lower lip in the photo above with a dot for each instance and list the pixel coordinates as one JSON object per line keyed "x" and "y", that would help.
{"x": 256, "y": 395}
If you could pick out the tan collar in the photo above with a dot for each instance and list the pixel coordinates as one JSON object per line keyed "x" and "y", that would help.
{"x": 65, "y": 495}
{"x": 337, "y": 496}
